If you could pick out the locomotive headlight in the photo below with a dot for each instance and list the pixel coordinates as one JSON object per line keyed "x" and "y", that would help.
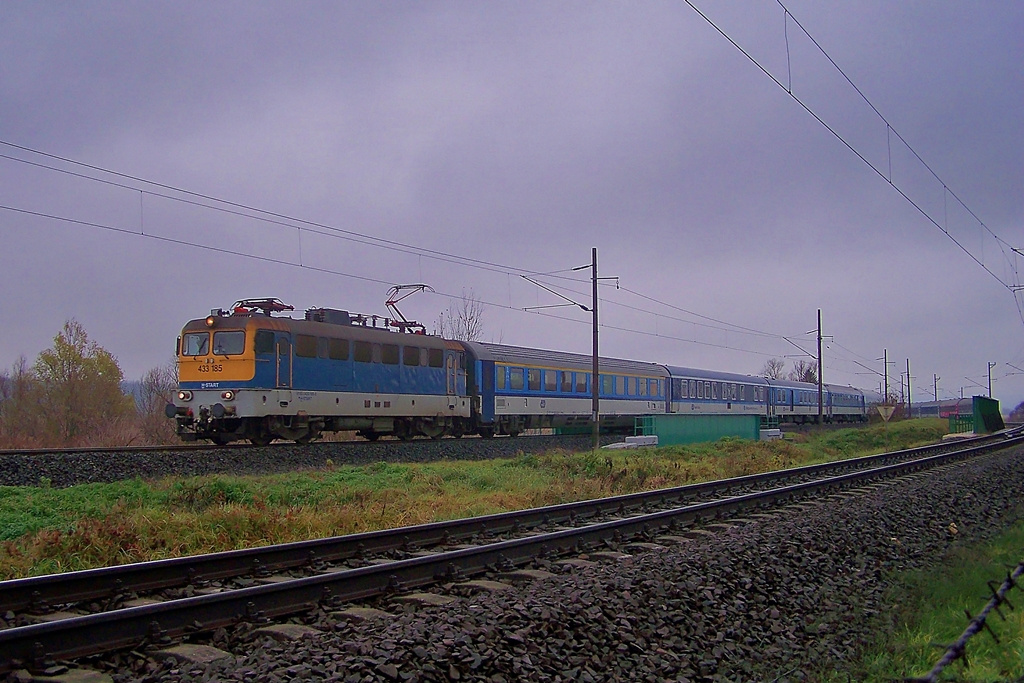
{"x": 227, "y": 395}
{"x": 210, "y": 320}
{"x": 184, "y": 395}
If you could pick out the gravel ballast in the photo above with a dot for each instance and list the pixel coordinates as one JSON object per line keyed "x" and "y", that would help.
{"x": 61, "y": 470}
{"x": 783, "y": 597}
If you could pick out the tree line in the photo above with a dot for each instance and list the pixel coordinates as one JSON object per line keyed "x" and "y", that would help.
{"x": 73, "y": 396}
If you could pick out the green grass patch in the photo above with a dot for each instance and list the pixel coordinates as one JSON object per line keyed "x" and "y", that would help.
{"x": 926, "y": 614}
{"x": 45, "y": 530}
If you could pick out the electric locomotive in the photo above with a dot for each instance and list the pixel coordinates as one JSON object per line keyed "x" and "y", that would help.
{"x": 249, "y": 373}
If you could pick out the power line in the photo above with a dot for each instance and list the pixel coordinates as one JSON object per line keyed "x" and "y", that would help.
{"x": 887, "y": 178}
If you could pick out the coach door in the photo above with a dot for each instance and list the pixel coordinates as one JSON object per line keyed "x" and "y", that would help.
{"x": 284, "y": 363}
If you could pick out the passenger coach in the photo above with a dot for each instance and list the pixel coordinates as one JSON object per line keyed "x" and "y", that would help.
{"x": 521, "y": 388}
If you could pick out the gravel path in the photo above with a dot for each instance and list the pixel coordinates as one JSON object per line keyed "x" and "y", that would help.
{"x": 781, "y": 598}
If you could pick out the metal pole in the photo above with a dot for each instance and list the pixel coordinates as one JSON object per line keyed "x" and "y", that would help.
{"x": 885, "y": 364}
{"x": 990, "y": 366}
{"x": 595, "y": 384}
{"x": 910, "y": 402}
{"x": 935, "y": 386}
{"x": 821, "y": 394}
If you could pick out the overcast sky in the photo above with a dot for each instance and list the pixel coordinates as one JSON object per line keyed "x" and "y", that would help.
{"x": 522, "y": 135}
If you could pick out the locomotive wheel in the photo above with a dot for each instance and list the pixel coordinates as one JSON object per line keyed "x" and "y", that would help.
{"x": 261, "y": 440}
{"x": 220, "y": 440}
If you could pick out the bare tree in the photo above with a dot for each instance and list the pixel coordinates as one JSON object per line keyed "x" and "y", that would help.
{"x": 804, "y": 371}
{"x": 156, "y": 390}
{"x": 773, "y": 368}
{"x": 462, "y": 320}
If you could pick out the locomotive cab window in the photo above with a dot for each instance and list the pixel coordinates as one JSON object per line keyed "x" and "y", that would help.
{"x": 264, "y": 342}
{"x": 435, "y": 358}
{"x": 196, "y": 344}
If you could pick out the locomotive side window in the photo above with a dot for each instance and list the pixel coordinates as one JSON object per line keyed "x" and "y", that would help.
{"x": 389, "y": 354}
{"x": 196, "y": 344}
{"x": 515, "y": 376}
{"x": 264, "y": 342}
{"x": 362, "y": 352}
{"x": 410, "y": 356}
{"x": 338, "y": 349}
{"x": 533, "y": 380}
{"x": 435, "y": 358}
{"x": 322, "y": 347}
{"x": 305, "y": 346}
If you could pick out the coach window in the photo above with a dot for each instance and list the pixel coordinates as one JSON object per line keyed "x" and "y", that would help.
{"x": 700, "y": 389}
{"x": 389, "y": 354}
{"x": 322, "y": 347}
{"x": 499, "y": 376}
{"x": 566, "y": 382}
{"x": 533, "y": 380}
{"x": 707, "y": 390}
{"x": 435, "y": 358}
{"x": 515, "y": 376}
{"x": 362, "y": 352}
{"x": 410, "y": 355}
{"x": 743, "y": 392}
{"x": 607, "y": 385}
{"x": 581, "y": 382}
{"x": 305, "y": 346}
{"x": 551, "y": 380}
{"x": 338, "y": 349}
{"x": 264, "y": 342}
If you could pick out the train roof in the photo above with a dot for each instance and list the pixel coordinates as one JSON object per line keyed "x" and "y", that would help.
{"x": 695, "y": 373}
{"x": 843, "y": 389}
{"x": 791, "y": 384}
{"x": 520, "y": 355}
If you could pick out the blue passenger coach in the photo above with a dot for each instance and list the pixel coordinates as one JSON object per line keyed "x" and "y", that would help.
{"x": 705, "y": 392}
{"x": 521, "y": 388}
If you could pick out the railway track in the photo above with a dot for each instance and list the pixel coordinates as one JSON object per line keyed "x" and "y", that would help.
{"x": 150, "y": 604}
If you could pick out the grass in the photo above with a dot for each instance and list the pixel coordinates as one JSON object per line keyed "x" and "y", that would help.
{"x": 927, "y": 614}
{"x": 45, "y": 530}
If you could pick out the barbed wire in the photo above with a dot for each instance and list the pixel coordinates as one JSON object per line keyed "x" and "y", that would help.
{"x": 958, "y": 650}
